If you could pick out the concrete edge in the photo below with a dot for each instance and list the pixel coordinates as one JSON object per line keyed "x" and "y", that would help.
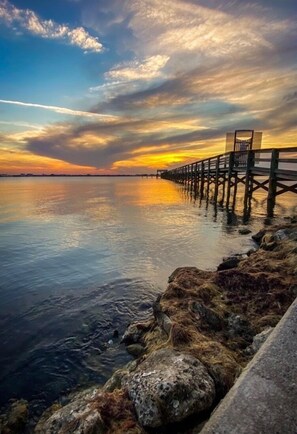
{"x": 264, "y": 398}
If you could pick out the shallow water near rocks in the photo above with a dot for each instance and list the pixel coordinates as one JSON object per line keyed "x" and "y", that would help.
{"x": 83, "y": 257}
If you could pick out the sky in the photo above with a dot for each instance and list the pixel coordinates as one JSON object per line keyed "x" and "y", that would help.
{"x": 132, "y": 86}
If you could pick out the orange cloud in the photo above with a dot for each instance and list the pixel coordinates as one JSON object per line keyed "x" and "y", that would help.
{"x": 16, "y": 162}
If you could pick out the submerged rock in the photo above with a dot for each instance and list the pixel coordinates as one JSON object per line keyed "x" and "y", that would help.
{"x": 169, "y": 386}
{"x": 244, "y": 231}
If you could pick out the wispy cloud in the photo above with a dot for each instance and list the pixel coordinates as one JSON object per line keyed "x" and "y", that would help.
{"x": 62, "y": 110}
{"x": 27, "y": 20}
{"x": 173, "y": 37}
{"x": 149, "y": 68}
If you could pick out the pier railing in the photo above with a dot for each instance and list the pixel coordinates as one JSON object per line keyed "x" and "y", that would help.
{"x": 273, "y": 170}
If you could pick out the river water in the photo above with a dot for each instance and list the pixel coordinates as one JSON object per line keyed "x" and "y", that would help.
{"x": 82, "y": 257}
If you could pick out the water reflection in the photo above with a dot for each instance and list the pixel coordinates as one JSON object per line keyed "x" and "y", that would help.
{"x": 256, "y": 206}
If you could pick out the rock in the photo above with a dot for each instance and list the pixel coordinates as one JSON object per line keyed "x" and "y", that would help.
{"x": 115, "y": 381}
{"x": 135, "y": 350}
{"x": 162, "y": 319}
{"x": 45, "y": 416}
{"x": 135, "y": 332}
{"x": 228, "y": 263}
{"x": 244, "y": 231}
{"x": 258, "y": 236}
{"x": 281, "y": 234}
{"x": 169, "y": 386}
{"x": 293, "y": 235}
{"x": 207, "y": 316}
{"x": 77, "y": 417}
{"x": 238, "y": 326}
{"x": 93, "y": 412}
{"x": 16, "y": 418}
{"x": 259, "y": 339}
{"x": 251, "y": 251}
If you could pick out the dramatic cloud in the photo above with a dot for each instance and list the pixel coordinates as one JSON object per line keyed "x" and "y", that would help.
{"x": 27, "y": 20}
{"x": 132, "y": 144}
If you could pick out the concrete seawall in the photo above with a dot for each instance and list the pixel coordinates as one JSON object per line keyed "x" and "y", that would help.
{"x": 264, "y": 398}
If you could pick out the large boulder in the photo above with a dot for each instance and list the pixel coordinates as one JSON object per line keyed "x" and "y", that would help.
{"x": 92, "y": 412}
{"x": 169, "y": 386}
{"x": 78, "y": 417}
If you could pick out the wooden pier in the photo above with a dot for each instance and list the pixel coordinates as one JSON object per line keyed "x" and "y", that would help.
{"x": 273, "y": 170}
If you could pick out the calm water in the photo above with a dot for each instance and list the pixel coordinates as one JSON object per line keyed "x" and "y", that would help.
{"x": 81, "y": 257}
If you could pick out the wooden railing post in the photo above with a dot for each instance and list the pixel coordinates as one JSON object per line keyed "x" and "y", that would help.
{"x": 272, "y": 182}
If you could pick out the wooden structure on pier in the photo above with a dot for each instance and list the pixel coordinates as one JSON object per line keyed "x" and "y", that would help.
{"x": 273, "y": 170}
{"x": 243, "y": 140}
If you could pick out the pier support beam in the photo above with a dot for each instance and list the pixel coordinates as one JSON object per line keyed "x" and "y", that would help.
{"x": 248, "y": 191}
{"x": 272, "y": 182}
{"x": 229, "y": 179}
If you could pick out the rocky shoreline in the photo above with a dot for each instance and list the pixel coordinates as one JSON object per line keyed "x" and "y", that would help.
{"x": 205, "y": 328}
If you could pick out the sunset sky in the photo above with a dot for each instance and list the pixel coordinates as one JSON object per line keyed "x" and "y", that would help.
{"x": 130, "y": 86}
